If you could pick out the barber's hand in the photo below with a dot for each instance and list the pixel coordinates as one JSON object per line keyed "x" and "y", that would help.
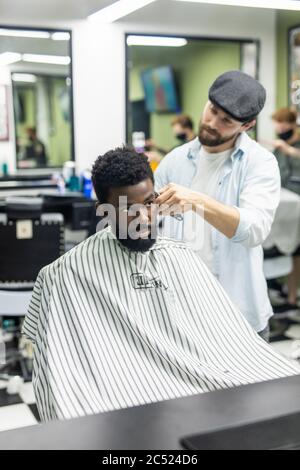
{"x": 176, "y": 199}
{"x": 150, "y": 143}
{"x": 153, "y": 156}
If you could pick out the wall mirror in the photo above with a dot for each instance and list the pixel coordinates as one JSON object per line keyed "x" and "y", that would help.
{"x": 171, "y": 75}
{"x": 35, "y": 65}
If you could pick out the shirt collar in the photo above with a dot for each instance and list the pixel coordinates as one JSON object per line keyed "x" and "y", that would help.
{"x": 241, "y": 147}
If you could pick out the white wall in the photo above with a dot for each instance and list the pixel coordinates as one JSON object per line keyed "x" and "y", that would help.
{"x": 99, "y": 64}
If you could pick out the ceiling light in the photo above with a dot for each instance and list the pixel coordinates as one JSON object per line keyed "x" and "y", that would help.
{"x": 155, "y": 41}
{"x": 7, "y": 58}
{"x": 274, "y": 4}
{"x": 60, "y": 36}
{"x": 118, "y": 10}
{"x": 46, "y": 59}
{"x": 19, "y": 33}
{"x": 24, "y": 77}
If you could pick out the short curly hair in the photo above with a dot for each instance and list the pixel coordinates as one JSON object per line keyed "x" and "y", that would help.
{"x": 122, "y": 166}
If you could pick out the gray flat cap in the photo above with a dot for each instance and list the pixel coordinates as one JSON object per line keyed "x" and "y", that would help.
{"x": 238, "y": 94}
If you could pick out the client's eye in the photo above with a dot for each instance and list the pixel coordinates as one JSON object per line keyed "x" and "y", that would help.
{"x": 150, "y": 203}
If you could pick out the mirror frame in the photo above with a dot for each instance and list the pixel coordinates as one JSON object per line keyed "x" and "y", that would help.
{"x": 49, "y": 170}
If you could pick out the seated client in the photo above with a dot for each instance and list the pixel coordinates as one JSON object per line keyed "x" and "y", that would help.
{"x": 127, "y": 318}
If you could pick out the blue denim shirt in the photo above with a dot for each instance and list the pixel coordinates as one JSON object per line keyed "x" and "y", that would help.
{"x": 250, "y": 181}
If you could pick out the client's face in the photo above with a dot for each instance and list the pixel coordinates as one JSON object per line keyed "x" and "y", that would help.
{"x": 136, "y": 215}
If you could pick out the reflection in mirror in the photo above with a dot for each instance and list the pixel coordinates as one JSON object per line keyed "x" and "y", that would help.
{"x": 42, "y": 119}
{"x": 171, "y": 76}
{"x": 38, "y": 66}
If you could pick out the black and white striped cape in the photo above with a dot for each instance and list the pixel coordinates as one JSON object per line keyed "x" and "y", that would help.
{"x": 114, "y": 329}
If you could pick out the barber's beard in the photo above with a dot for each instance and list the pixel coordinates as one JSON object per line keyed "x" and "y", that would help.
{"x": 139, "y": 244}
{"x": 212, "y": 138}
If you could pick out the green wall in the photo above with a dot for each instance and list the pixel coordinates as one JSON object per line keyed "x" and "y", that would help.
{"x": 60, "y": 140}
{"x": 136, "y": 91}
{"x": 285, "y": 20}
{"x": 202, "y": 69}
{"x": 195, "y": 68}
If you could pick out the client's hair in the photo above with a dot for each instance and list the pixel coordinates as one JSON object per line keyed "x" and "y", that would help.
{"x": 122, "y": 166}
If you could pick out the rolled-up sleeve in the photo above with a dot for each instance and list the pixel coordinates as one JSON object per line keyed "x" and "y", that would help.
{"x": 258, "y": 201}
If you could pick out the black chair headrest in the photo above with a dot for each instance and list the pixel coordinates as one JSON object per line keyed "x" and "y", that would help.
{"x": 23, "y": 207}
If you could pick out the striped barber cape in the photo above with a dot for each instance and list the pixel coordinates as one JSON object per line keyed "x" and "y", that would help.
{"x": 113, "y": 329}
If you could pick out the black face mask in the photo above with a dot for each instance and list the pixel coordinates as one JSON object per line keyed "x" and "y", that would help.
{"x": 181, "y": 137}
{"x": 286, "y": 135}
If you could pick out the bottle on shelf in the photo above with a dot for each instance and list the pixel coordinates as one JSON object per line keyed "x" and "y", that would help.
{"x": 4, "y": 168}
{"x": 87, "y": 186}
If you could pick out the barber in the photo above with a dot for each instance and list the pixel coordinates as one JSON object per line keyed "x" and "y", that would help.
{"x": 235, "y": 182}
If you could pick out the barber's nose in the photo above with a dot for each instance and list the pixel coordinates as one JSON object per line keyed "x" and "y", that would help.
{"x": 213, "y": 123}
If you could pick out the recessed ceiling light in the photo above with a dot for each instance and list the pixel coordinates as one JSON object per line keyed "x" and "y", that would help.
{"x": 60, "y": 36}
{"x": 20, "y": 33}
{"x": 133, "y": 40}
{"x": 46, "y": 59}
{"x": 24, "y": 77}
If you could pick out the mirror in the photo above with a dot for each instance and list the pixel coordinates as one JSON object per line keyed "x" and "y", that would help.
{"x": 167, "y": 76}
{"x": 38, "y": 66}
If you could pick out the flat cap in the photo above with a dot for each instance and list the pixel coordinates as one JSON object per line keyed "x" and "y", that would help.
{"x": 238, "y": 94}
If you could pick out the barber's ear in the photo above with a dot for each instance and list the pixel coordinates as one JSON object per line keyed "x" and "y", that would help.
{"x": 249, "y": 125}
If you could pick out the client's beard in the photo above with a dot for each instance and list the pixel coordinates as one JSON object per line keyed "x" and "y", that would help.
{"x": 212, "y": 138}
{"x": 139, "y": 244}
